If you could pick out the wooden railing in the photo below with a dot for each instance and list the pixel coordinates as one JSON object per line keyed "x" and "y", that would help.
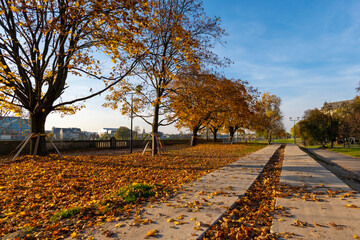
{"x": 7, "y": 147}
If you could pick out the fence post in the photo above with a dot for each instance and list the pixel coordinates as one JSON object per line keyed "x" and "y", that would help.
{"x": 112, "y": 142}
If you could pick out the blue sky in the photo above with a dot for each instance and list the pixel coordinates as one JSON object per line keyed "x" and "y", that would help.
{"x": 306, "y": 52}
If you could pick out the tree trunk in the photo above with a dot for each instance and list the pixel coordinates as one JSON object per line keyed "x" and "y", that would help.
{"x": 38, "y": 126}
{"x": 269, "y": 137}
{"x": 215, "y": 130}
{"x": 232, "y": 131}
{"x": 194, "y": 136}
{"x": 155, "y": 128}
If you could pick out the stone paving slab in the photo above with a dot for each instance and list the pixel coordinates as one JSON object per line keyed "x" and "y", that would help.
{"x": 197, "y": 205}
{"x": 319, "y": 216}
{"x": 349, "y": 163}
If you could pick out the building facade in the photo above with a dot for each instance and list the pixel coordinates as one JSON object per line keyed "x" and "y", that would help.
{"x": 110, "y": 131}
{"x": 66, "y": 133}
{"x": 14, "y": 128}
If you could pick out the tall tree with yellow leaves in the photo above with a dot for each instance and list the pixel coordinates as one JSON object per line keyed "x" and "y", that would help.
{"x": 268, "y": 115}
{"x": 43, "y": 42}
{"x": 180, "y": 35}
{"x": 195, "y": 102}
{"x": 238, "y": 99}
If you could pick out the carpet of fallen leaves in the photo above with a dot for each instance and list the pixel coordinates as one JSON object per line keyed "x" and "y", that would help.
{"x": 251, "y": 216}
{"x": 51, "y": 197}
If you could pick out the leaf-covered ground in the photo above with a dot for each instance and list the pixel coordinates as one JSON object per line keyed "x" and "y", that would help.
{"x": 52, "y": 197}
{"x": 251, "y": 216}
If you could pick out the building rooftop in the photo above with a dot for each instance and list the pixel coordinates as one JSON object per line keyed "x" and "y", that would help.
{"x": 336, "y": 105}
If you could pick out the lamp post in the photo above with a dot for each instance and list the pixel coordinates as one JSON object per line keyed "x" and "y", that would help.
{"x": 294, "y": 120}
{"x": 131, "y": 121}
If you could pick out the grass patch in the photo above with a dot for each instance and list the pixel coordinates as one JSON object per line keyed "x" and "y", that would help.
{"x": 136, "y": 191}
{"x": 312, "y": 146}
{"x": 65, "y": 214}
{"x": 353, "y": 152}
{"x": 287, "y": 140}
{"x": 29, "y": 229}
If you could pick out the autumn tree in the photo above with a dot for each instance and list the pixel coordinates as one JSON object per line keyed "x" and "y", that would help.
{"x": 216, "y": 123}
{"x": 181, "y": 35}
{"x": 268, "y": 115}
{"x": 238, "y": 101}
{"x": 314, "y": 127}
{"x": 42, "y": 43}
{"x": 123, "y": 133}
{"x": 349, "y": 120}
{"x": 234, "y": 109}
{"x": 194, "y": 102}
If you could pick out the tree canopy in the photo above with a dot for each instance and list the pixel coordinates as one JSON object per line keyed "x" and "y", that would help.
{"x": 268, "y": 115}
{"x": 43, "y": 42}
{"x": 123, "y": 133}
{"x": 329, "y": 125}
{"x": 180, "y": 36}
{"x": 204, "y": 99}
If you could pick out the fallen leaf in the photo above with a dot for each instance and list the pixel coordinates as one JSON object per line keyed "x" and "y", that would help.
{"x": 119, "y": 225}
{"x": 152, "y": 233}
{"x": 351, "y": 206}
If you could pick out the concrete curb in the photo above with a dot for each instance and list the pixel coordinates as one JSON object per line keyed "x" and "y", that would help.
{"x": 319, "y": 156}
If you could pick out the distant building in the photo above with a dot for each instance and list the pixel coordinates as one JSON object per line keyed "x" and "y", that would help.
{"x": 66, "y": 133}
{"x": 333, "y": 106}
{"x": 110, "y": 131}
{"x": 14, "y": 128}
{"x": 89, "y": 135}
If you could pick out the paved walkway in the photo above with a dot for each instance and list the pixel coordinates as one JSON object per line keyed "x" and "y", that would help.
{"x": 329, "y": 210}
{"x": 349, "y": 163}
{"x": 196, "y": 207}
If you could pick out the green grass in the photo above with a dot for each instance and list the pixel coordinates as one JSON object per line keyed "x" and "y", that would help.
{"x": 29, "y": 229}
{"x": 284, "y": 140}
{"x": 353, "y": 152}
{"x": 287, "y": 140}
{"x": 311, "y": 146}
{"x": 138, "y": 190}
{"x": 65, "y": 214}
